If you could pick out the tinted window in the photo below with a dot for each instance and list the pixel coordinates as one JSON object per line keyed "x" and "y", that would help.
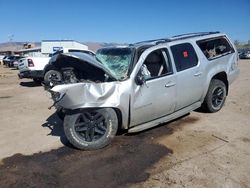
{"x": 184, "y": 56}
{"x": 216, "y": 47}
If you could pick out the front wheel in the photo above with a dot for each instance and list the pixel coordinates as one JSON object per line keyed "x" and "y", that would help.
{"x": 215, "y": 97}
{"x": 53, "y": 76}
{"x": 91, "y": 129}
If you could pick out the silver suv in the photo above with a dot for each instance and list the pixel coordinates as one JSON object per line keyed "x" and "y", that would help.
{"x": 142, "y": 85}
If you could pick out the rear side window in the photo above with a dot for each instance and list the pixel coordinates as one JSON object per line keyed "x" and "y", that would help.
{"x": 216, "y": 47}
{"x": 184, "y": 56}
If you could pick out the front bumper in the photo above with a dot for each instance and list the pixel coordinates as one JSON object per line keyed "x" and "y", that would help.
{"x": 30, "y": 74}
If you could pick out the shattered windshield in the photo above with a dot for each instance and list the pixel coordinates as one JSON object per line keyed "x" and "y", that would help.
{"x": 116, "y": 60}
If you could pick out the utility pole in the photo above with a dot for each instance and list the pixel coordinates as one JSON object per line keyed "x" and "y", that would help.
{"x": 10, "y": 37}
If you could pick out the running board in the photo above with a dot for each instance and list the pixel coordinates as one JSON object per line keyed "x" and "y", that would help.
{"x": 164, "y": 119}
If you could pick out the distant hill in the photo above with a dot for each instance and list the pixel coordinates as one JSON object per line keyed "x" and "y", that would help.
{"x": 14, "y": 46}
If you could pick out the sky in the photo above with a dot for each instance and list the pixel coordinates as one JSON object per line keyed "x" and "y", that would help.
{"x": 120, "y": 21}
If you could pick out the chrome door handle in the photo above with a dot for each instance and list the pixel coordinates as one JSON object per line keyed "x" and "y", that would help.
{"x": 170, "y": 84}
{"x": 198, "y": 74}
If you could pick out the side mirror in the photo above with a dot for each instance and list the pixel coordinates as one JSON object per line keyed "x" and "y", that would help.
{"x": 140, "y": 79}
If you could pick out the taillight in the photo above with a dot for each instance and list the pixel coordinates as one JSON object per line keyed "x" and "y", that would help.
{"x": 30, "y": 63}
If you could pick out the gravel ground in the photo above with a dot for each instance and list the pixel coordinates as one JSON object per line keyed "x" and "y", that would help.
{"x": 198, "y": 150}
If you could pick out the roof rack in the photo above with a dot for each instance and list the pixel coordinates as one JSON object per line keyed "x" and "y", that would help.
{"x": 190, "y": 35}
{"x": 176, "y": 37}
{"x": 154, "y": 41}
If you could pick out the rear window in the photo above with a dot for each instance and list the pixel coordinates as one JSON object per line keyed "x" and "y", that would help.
{"x": 216, "y": 47}
{"x": 184, "y": 56}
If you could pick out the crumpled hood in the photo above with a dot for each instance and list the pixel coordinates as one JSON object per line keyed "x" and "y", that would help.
{"x": 80, "y": 61}
{"x": 83, "y": 95}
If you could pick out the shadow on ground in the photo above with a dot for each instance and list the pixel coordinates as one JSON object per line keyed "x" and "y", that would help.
{"x": 30, "y": 84}
{"x": 55, "y": 124}
{"x": 125, "y": 161}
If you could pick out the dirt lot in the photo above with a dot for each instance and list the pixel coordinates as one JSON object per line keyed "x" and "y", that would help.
{"x": 199, "y": 150}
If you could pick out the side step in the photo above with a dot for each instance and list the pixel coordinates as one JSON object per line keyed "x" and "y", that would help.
{"x": 164, "y": 119}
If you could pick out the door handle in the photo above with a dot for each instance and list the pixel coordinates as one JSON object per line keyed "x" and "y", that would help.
{"x": 170, "y": 84}
{"x": 198, "y": 74}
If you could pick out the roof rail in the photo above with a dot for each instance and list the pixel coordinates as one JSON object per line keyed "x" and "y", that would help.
{"x": 176, "y": 37}
{"x": 154, "y": 41}
{"x": 190, "y": 35}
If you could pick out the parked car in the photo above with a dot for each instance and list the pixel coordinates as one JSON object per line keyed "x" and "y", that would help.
{"x": 32, "y": 67}
{"x": 140, "y": 86}
{"x": 9, "y": 61}
{"x": 49, "y": 71}
{"x": 16, "y": 63}
{"x": 4, "y": 59}
{"x": 245, "y": 55}
{"x": 1, "y": 58}
{"x": 36, "y": 67}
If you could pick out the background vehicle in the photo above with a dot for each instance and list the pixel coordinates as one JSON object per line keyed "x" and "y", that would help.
{"x": 245, "y": 55}
{"x": 36, "y": 67}
{"x": 9, "y": 61}
{"x": 5, "y": 59}
{"x": 15, "y": 64}
{"x": 51, "y": 72}
{"x": 32, "y": 67}
{"x": 1, "y": 58}
{"x": 118, "y": 88}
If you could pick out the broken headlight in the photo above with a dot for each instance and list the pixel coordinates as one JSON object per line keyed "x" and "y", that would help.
{"x": 56, "y": 96}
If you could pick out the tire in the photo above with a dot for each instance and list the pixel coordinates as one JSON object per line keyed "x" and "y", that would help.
{"x": 91, "y": 129}
{"x": 52, "y": 76}
{"x": 215, "y": 97}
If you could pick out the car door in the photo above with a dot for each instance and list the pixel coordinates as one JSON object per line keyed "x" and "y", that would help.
{"x": 155, "y": 97}
{"x": 189, "y": 74}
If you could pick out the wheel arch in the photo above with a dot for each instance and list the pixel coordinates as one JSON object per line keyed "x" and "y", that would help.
{"x": 222, "y": 76}
{"x": 121, "y": 127}
{"x": 117, "y": 111}
{"x": 47, "y": 68}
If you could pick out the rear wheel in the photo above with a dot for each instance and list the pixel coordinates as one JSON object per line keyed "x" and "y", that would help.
{"x": 215, "y": 97}
{"x": 91, "y": 129}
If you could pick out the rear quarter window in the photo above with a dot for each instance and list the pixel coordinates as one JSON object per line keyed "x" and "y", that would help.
{"x": 216, "y": 47}
{"x": 184, "y": 56}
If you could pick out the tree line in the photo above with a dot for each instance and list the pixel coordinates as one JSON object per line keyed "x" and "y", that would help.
{"x": 239, "y": 44}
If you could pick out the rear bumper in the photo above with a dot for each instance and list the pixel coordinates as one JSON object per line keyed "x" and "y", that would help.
{"x": 30, "y": 74}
